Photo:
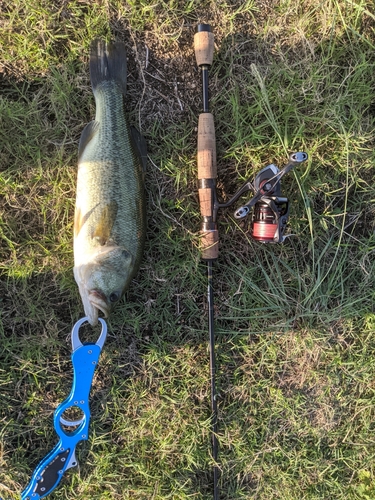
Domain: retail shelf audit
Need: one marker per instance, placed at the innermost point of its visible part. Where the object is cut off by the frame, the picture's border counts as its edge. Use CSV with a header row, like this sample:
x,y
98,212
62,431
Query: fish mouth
x,y
93,302
98,302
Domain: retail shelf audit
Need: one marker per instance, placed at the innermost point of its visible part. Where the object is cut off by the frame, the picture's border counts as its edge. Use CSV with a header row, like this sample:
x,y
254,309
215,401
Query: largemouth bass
x,y
110,218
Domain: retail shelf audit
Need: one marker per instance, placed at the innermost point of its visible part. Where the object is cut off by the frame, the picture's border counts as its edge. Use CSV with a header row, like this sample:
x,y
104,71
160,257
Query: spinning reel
x,y
271,209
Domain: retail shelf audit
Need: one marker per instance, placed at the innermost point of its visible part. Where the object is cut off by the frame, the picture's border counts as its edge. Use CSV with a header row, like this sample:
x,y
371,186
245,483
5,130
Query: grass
x,y
295,323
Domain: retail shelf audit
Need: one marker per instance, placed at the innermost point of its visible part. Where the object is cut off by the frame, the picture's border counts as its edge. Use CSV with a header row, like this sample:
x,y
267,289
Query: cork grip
x,y
209,244
204,47
207,171
206,147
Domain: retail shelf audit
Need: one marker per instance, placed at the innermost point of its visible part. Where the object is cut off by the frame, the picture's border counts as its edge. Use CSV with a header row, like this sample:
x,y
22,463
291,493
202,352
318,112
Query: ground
x,y
294,322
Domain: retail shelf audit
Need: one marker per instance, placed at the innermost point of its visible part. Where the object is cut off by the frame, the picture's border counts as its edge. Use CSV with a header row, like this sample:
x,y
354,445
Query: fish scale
x,y
105,176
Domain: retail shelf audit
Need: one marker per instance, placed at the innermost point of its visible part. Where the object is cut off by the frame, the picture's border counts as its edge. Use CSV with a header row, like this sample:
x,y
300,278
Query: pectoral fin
x,y
103,228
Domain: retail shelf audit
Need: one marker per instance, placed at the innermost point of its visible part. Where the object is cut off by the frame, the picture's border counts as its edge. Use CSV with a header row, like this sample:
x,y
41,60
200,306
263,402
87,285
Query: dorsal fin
x,y
140,145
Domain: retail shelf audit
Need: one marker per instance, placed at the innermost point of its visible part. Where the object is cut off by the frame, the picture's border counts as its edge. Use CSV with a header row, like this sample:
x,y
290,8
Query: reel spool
x,y
268,223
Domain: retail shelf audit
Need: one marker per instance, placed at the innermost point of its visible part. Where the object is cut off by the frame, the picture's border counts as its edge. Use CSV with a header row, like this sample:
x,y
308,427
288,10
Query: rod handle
x,y
206,159
204,45
207,173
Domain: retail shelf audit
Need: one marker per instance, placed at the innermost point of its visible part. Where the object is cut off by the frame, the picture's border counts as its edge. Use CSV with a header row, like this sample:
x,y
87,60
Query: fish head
x,y
103,280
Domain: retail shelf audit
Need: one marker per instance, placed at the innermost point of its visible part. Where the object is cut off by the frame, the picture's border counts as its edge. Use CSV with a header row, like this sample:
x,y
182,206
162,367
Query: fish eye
x,y
114,297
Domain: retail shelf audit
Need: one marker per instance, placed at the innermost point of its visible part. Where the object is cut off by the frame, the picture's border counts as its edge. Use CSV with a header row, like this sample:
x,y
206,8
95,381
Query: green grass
x,y
295,323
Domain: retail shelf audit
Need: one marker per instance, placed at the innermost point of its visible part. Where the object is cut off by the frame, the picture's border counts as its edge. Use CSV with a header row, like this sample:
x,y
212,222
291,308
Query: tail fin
x,y
108,63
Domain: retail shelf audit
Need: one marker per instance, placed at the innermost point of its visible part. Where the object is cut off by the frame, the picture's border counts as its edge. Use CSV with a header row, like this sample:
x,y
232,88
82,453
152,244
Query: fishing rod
x,y
269,216
207,173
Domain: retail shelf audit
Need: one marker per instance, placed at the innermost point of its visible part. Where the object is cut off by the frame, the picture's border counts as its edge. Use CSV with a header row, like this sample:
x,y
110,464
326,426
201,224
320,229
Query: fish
x,y
110,209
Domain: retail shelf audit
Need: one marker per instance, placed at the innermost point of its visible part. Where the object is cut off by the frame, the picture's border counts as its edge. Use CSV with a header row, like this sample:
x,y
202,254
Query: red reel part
x,y
265,224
